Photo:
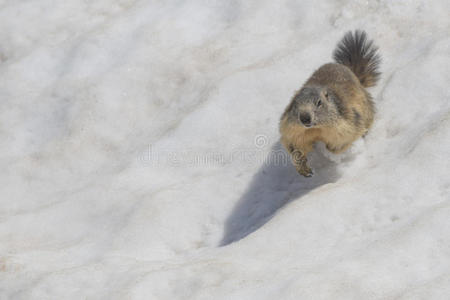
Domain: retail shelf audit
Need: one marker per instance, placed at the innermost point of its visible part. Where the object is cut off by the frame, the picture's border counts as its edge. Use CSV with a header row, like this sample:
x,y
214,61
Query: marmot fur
x,y
333,105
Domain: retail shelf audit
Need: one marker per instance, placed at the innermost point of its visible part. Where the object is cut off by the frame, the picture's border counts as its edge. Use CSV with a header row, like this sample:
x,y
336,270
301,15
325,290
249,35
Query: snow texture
x,y
140,153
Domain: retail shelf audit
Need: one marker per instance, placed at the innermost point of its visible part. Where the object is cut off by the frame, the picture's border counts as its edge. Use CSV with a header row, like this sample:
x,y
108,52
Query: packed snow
x,y
140,153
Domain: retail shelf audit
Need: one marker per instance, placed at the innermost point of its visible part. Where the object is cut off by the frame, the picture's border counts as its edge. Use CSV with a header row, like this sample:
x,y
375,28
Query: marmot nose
x,y
306,119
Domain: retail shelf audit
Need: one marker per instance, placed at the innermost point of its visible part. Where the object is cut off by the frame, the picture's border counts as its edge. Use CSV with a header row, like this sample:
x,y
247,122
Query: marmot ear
x,y
325,93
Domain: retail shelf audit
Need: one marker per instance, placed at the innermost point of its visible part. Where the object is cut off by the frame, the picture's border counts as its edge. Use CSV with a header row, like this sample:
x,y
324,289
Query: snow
x,y
140,155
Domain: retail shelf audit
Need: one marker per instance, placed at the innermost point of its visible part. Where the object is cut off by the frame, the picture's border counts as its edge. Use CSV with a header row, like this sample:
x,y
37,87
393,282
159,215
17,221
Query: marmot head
x,y
314,107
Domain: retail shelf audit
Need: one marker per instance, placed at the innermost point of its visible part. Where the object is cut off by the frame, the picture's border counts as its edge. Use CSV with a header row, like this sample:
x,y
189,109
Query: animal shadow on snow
x,y
274,185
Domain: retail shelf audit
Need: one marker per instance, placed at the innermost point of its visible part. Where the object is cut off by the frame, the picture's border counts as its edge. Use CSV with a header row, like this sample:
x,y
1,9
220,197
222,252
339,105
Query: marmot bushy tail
x,y
333,106
360,55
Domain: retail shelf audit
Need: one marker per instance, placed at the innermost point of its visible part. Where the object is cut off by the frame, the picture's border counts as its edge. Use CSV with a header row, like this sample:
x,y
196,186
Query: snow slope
x,y
140,155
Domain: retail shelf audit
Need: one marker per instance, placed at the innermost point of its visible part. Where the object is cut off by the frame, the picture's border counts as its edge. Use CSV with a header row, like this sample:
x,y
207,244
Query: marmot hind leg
x,y
338,149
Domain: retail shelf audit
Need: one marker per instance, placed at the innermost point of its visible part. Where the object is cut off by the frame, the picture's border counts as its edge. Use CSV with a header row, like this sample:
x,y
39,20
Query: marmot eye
x,y
319,103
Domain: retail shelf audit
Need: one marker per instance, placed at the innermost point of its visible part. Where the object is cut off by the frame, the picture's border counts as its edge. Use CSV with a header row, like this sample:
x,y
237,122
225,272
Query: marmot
x,y
333,105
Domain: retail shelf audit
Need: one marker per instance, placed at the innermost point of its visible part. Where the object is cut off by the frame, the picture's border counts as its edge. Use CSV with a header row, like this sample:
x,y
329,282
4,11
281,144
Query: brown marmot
x,y
333,105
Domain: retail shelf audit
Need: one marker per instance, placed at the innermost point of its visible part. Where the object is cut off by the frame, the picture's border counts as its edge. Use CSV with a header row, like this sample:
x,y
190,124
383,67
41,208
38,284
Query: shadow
x,y
274,185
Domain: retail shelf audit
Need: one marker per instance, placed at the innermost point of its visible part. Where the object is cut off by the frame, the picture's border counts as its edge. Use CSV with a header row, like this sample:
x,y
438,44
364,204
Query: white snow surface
x,y
137,141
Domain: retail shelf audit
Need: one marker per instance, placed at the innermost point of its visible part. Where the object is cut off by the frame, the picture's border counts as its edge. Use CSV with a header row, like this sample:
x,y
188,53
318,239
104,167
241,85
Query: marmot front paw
x,y
305,171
